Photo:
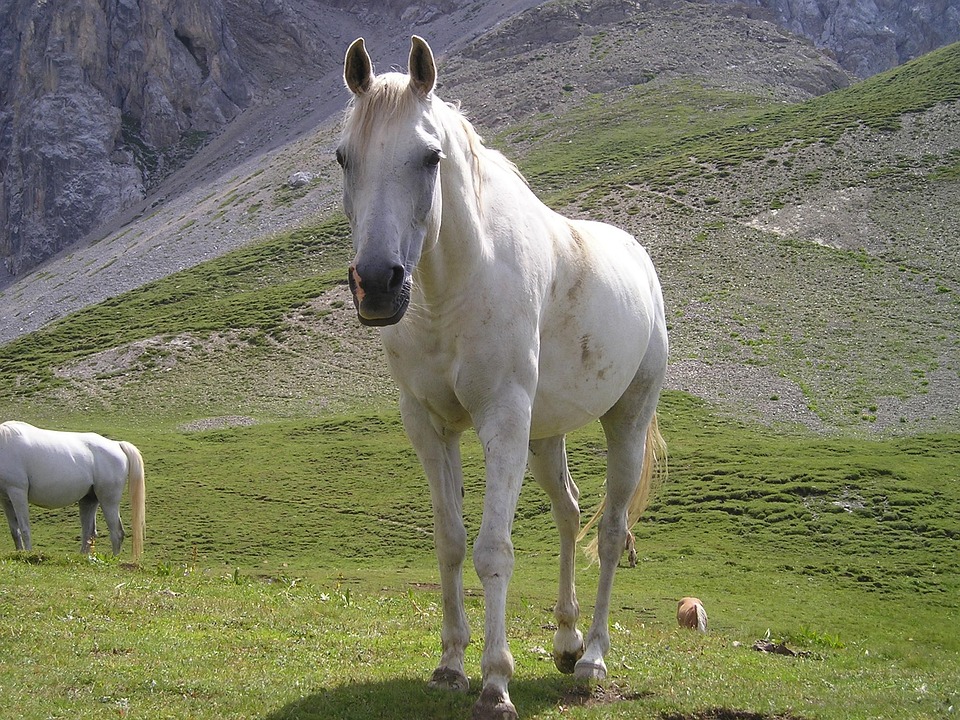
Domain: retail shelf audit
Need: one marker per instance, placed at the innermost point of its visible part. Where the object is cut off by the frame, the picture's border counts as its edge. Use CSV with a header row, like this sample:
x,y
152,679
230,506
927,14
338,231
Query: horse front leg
x,y
17,509
439,454
547,461
504,441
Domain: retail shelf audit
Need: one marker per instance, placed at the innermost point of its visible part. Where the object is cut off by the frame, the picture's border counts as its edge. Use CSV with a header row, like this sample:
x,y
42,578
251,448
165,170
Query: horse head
x,y
390,154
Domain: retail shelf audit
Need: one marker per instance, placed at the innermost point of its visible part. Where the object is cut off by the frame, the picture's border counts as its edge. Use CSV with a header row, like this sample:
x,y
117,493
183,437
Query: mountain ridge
x,y
141,105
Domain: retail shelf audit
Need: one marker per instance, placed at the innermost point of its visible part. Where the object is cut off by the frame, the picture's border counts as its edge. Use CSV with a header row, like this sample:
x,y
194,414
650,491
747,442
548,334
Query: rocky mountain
x,y
99,99
109,109
868,36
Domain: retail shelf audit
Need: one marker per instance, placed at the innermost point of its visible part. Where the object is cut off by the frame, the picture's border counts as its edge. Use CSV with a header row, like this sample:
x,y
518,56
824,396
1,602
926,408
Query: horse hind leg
x,y
625,427
547,460
88,521
111,513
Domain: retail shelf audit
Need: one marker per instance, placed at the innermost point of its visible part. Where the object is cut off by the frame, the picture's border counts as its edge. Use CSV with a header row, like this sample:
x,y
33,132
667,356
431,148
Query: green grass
x,y
305,587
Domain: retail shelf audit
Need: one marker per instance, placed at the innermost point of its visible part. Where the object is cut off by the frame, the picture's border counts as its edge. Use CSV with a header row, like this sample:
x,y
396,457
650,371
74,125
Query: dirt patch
x,y
147,354
585,696
751,391
767,646
217,423
729,714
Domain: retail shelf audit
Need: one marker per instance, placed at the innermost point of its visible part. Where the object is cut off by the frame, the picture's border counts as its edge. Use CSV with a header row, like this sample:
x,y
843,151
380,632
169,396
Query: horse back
x,y
58,467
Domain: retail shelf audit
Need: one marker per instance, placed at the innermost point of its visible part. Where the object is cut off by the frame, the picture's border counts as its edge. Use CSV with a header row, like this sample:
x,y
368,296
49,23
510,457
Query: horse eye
x,y
341,160
433,158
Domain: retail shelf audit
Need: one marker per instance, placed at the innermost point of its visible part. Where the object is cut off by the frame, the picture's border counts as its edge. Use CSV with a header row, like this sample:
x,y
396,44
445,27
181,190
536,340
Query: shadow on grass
x,y
411,699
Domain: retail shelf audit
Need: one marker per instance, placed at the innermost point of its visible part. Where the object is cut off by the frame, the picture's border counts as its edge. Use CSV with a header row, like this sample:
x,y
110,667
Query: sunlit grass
x,y
307,587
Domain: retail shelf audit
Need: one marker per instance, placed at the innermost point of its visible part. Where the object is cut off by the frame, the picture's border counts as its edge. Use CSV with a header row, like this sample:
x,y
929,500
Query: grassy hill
x,y
809,245
807,259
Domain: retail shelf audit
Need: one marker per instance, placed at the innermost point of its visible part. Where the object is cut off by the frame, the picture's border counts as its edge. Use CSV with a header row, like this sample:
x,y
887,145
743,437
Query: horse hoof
x,y
590,671
449,679
566,662
492,705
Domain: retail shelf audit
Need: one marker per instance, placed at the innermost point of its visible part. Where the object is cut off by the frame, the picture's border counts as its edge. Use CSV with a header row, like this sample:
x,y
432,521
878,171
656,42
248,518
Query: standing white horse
x,y
54,469
516,321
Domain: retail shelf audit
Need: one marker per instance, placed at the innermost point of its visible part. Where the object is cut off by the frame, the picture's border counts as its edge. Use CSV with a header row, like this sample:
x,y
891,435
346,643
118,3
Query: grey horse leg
x,y
88,521
111,513
17,510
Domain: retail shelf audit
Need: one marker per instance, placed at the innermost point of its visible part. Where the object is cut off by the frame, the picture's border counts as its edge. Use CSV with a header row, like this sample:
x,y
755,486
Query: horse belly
x,y
58,477
593,344
582,377
568,400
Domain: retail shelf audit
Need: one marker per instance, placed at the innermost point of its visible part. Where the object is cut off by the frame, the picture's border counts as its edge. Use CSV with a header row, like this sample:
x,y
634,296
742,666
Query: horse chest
x,y
456,373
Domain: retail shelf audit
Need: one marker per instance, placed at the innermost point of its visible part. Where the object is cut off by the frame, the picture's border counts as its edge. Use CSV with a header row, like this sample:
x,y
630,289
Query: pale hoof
x,y
492,705
566,662
586,670
448,679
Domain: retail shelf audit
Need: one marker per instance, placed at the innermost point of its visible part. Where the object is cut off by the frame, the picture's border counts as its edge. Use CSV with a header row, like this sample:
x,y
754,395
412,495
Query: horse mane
x,y
480,151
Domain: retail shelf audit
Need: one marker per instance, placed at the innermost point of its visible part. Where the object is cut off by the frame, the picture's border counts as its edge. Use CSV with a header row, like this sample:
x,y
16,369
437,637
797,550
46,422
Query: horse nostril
x,y
396,278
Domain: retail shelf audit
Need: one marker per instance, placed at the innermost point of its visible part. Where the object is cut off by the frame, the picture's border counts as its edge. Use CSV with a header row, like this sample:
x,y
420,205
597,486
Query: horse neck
x,y
472,182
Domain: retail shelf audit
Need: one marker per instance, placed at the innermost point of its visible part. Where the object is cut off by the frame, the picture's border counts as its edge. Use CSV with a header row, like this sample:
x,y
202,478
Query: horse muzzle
x,y
380,298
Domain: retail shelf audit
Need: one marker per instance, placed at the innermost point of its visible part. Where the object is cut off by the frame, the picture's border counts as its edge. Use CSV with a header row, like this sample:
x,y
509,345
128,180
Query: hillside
x,y
804,243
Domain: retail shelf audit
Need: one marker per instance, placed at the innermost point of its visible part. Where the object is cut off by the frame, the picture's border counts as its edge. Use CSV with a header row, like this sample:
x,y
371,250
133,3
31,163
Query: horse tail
x,y
138,496
654,469
701,618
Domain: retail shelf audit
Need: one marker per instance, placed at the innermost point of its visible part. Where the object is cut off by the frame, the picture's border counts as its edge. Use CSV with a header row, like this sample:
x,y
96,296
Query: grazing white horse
x,y
500,314
54,469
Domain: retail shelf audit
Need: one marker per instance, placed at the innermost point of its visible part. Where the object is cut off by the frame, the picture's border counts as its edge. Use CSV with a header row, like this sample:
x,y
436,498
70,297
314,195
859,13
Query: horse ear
x,y
357,68
423,68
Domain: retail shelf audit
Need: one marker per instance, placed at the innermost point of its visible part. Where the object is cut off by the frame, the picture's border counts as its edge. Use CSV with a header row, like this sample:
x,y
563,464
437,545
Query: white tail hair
x,y
138,494
651,474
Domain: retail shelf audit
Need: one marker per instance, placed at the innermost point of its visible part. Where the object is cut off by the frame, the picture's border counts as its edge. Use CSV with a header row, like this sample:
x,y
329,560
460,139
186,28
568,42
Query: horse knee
x,y
566,512
492,558
451,548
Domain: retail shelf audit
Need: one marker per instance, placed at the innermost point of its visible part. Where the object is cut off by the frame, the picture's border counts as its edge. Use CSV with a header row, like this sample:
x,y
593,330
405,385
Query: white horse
x,y
54,469
516,321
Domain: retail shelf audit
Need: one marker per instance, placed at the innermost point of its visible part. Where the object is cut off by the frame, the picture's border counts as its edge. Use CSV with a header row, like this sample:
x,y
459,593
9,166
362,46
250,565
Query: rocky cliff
x,y
99,99
867,36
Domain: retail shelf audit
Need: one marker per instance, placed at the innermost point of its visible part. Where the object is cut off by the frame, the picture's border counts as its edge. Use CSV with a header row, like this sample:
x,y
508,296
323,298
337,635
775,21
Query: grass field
x,y
306,588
